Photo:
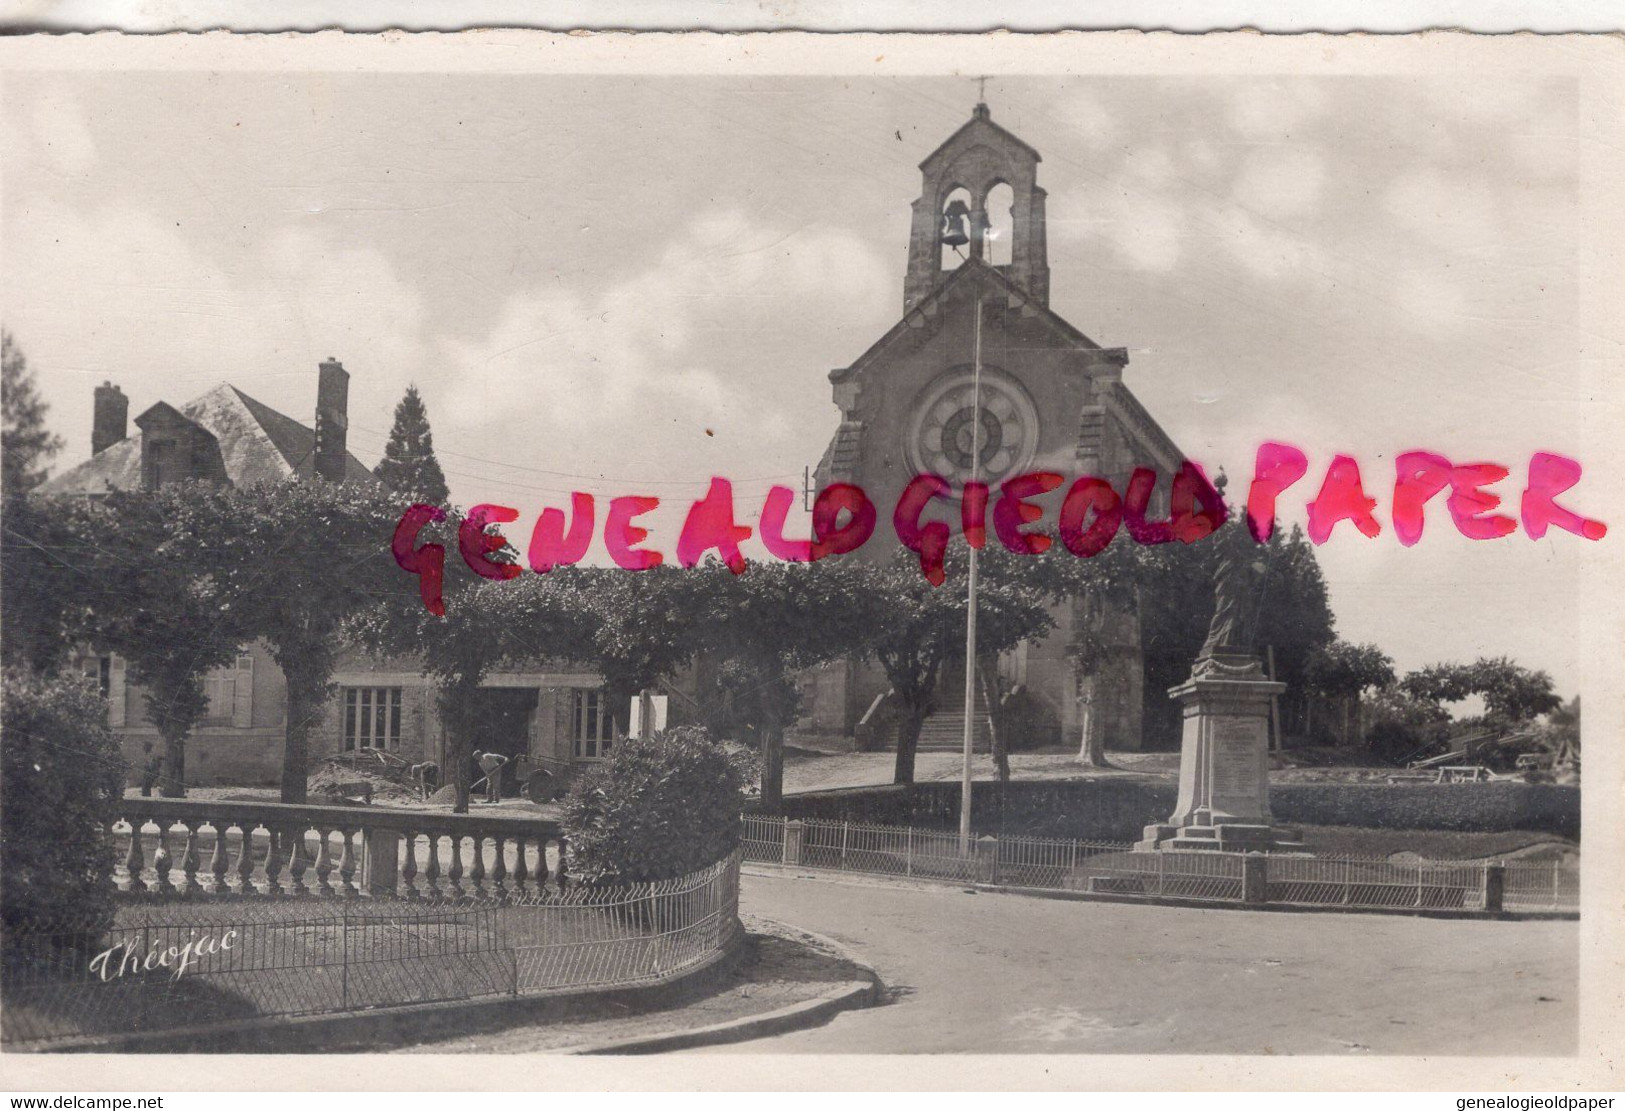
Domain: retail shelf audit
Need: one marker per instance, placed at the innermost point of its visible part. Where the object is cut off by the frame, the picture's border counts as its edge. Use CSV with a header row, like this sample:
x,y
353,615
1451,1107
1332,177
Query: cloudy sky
x,y
628,285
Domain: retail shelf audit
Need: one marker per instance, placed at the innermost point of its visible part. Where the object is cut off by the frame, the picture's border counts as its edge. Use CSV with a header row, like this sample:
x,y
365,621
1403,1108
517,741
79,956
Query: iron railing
x,y
1117,869
197,963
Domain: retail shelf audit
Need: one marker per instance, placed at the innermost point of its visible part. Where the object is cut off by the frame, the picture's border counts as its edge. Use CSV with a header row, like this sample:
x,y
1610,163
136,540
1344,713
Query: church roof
x,y
257,444
981,121
972,270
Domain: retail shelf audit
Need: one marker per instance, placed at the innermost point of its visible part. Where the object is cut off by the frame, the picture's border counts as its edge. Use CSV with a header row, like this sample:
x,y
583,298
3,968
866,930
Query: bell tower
x,y
981,163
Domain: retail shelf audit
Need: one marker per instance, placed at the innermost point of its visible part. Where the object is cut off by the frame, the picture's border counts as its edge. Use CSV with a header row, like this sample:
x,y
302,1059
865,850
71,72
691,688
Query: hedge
x,y
1118,810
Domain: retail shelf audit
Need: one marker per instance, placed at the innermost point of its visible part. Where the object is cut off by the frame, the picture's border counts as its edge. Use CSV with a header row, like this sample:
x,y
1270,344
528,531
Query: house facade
x,y
554,715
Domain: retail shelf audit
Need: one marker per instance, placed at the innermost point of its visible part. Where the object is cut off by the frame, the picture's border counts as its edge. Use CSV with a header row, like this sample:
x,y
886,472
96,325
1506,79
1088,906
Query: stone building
x,y
1052,399
556,715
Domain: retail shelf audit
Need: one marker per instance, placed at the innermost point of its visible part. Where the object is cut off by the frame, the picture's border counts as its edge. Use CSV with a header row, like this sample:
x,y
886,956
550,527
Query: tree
x,y
50,565
158,594
914,628
485,624
409,465
26,445
639,627
1512,693
1343,672
59,787
763,627
293,562
1297,619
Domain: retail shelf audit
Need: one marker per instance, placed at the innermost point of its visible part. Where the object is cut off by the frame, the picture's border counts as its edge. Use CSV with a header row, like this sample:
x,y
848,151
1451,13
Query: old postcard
x,y
996,561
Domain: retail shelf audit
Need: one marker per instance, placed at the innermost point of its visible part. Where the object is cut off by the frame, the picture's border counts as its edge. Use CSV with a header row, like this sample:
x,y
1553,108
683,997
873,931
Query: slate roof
x,y
257,444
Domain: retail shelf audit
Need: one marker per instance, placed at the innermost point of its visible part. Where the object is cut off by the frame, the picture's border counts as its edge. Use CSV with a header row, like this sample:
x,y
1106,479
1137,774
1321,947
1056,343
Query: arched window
x,y
1001,225
953,220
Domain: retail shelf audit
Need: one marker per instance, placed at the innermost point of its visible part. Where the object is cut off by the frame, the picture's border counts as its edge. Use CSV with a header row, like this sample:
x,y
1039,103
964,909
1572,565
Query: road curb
x,y
849,995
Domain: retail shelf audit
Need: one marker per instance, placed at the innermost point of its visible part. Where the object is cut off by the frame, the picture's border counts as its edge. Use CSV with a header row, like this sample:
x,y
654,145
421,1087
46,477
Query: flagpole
x,y
970,605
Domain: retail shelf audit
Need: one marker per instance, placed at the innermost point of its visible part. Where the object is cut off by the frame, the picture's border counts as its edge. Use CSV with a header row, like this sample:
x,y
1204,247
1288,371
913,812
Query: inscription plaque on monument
x,y
1235,758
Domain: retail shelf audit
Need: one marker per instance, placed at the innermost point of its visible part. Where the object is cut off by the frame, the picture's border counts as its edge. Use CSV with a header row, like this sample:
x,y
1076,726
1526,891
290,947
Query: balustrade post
x,y
560,874
273,861
520,872
190,860
499,867
245,860
217,859
161,862
135,861
409,866
297,862
476,874
454,874
431,870
347,864
324,863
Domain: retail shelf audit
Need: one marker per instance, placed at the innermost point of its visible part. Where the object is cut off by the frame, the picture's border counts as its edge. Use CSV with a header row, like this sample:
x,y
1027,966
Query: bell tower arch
x,y
979,160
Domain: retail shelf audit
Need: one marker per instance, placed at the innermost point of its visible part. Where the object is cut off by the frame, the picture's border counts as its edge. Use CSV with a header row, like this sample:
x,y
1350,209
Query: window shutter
x,y
242,700
115,692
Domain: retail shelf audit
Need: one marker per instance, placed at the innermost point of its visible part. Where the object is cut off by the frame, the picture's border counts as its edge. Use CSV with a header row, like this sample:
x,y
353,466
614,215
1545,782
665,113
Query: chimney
x,y
332,420
112,417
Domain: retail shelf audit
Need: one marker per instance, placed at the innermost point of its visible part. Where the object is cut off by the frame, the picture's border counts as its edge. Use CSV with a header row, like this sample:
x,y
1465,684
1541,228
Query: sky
x,y
628,285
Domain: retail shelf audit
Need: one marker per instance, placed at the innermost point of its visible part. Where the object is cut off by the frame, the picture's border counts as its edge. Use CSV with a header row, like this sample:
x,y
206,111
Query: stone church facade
x,y
1052,399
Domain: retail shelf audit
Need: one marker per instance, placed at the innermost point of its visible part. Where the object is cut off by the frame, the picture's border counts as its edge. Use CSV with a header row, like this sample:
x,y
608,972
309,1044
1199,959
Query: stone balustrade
x,y
184,847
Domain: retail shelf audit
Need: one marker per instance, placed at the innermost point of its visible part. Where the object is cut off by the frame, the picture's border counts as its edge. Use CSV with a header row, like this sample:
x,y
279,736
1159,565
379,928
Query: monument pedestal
x,y
1224,763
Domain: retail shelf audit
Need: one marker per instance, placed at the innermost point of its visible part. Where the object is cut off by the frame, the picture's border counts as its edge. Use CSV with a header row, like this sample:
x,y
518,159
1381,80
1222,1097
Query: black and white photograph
x,y
1054,550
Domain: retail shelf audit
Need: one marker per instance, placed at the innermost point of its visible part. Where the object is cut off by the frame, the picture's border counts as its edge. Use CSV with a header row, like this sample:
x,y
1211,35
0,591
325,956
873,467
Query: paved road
x,y
1005,973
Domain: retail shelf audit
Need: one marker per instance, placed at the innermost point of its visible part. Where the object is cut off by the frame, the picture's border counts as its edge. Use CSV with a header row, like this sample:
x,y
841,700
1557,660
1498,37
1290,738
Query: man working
x,y
491,763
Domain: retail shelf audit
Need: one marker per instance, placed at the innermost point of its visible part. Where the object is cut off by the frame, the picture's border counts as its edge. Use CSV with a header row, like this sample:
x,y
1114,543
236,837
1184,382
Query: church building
x,y
1051,399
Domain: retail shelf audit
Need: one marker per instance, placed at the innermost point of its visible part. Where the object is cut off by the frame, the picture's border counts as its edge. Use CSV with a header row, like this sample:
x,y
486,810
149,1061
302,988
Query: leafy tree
x,y
764,626
1297,619
639,628
50,563
157,595
409,465
59,785
660,808
486,623
26,445
302,559
1342,672
914,628
1399,725
1511,693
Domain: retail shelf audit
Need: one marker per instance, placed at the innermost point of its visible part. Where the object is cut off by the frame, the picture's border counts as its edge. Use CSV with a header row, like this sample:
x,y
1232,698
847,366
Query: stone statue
x,y
1238,589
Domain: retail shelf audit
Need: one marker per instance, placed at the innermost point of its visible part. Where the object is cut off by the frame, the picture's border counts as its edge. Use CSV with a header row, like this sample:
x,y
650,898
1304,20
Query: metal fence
x,y
1113,868
196,964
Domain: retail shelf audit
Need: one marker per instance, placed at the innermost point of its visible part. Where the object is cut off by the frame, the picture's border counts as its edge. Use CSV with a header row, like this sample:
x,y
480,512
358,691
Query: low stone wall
x,y
1117,810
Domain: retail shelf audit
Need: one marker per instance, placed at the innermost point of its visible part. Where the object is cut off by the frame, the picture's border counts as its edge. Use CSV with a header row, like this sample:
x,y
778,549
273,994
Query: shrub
x,y
659,809
62,778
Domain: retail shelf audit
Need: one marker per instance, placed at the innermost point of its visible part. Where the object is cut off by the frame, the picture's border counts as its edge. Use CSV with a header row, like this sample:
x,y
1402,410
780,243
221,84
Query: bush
x,y
62,778
659,809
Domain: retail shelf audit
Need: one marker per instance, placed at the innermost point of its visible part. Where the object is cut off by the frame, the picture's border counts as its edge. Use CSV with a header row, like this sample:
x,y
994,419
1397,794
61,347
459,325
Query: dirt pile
x,y
331,780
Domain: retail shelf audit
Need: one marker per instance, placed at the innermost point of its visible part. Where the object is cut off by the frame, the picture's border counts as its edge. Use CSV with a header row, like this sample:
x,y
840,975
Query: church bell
x,y
955,224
